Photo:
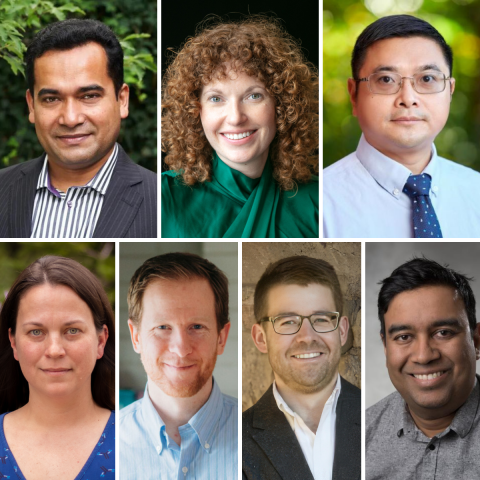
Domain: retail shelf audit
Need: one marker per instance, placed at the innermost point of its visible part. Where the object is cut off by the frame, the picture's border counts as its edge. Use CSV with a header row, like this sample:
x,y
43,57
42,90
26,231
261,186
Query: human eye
x,y
73,331
198,326
256,96
49,100
403,338
287,320
162,327
384,79
444,333
90,96
35,333
429,78
215,99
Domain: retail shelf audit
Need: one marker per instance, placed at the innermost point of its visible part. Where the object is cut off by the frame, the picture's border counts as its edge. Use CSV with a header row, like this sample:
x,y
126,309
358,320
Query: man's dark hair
x,y
421,272
396,26
298,270
73,33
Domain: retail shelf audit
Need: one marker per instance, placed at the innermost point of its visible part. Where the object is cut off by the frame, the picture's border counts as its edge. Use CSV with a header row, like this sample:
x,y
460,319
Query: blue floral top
x,y
100,464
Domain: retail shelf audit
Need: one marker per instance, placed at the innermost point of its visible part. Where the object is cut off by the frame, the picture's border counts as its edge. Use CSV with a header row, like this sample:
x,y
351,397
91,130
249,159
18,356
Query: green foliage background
x,y
98,257
133,21
459,23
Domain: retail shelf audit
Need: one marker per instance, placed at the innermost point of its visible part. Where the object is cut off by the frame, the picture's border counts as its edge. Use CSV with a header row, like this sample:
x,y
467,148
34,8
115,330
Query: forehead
x,y
189,297
77,67
299,299
236,80
425,305
405,54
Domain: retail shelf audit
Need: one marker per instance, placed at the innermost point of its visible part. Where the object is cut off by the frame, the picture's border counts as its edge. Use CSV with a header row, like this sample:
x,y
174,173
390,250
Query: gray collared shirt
x,y
397,450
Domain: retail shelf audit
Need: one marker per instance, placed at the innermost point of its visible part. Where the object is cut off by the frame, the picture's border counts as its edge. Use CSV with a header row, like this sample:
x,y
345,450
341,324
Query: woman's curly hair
x,y
260,47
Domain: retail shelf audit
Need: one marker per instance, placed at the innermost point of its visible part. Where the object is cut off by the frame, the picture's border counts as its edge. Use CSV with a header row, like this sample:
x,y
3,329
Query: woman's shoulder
x,y
302,191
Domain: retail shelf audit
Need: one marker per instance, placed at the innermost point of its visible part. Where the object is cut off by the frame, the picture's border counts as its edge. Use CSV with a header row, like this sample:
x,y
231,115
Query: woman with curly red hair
x,y
240,129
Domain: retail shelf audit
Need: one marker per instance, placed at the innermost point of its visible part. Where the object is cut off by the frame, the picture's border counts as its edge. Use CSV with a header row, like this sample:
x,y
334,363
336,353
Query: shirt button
x,y
158,448
70,204
184,469
207,445
396,192
431,447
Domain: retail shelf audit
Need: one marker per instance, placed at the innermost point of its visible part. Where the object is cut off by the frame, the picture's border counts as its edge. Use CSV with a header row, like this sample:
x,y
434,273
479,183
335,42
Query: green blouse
x,y
233,205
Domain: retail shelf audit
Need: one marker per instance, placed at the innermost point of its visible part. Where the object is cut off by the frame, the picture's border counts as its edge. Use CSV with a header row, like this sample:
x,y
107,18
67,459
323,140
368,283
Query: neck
x,y
308,405
62,412
252,169
177,411
63,177
432,427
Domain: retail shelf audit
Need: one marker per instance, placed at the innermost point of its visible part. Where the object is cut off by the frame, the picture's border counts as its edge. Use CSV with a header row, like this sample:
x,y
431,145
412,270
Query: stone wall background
x,y
256,256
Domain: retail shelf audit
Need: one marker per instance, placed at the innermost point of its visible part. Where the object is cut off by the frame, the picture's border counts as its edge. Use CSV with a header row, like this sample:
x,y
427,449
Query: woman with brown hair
x,y
240,129
57,375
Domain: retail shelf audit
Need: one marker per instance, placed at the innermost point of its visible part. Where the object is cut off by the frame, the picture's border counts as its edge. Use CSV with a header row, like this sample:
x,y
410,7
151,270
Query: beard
x,y
182,384
308,378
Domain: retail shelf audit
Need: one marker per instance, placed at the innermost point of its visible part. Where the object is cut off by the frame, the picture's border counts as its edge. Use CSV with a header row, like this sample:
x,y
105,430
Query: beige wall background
x,y
225,256
346,259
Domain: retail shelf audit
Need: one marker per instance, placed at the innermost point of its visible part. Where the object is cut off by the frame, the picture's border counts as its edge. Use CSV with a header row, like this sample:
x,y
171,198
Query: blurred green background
x,y
133,21
459,23
98,257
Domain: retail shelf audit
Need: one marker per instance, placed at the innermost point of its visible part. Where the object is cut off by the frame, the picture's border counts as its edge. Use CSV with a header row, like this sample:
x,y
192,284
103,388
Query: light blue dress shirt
x,y
208,450
363,197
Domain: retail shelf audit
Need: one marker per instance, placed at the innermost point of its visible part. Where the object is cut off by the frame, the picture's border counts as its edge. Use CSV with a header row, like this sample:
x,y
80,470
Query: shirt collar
x,y
99,182
283,406
462,422
389,174
204,422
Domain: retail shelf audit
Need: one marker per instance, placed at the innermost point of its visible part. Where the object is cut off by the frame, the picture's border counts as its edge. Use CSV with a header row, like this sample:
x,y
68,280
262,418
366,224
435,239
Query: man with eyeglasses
x,y
395,184
307,425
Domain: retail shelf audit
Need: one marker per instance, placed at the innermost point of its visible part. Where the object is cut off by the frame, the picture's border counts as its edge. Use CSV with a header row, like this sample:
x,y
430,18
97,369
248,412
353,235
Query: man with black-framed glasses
x,y
307,425
396,185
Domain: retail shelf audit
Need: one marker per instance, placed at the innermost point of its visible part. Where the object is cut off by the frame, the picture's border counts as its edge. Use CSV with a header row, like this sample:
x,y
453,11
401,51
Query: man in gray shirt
x,y
430,427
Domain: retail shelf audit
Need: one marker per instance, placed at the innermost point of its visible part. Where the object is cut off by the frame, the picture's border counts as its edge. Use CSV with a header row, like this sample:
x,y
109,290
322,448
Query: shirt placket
x,y
186,464
430,455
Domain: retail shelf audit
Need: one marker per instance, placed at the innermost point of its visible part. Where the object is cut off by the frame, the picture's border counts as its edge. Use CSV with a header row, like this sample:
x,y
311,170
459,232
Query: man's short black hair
x,y
72,33
422,272
396,26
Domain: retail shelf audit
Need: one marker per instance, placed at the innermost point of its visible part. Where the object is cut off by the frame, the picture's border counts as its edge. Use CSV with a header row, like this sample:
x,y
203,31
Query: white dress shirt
x,y
363,197
318,448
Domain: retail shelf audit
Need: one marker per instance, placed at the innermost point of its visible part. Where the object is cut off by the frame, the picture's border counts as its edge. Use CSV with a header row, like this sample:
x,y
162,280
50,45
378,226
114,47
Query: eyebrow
x,y
449,322
66,324
88,88
392,68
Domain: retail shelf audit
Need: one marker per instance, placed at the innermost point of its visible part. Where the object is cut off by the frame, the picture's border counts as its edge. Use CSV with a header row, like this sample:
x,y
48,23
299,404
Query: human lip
x,y
73,139
55,371
239,138
307,355
179,367
429,376
407,119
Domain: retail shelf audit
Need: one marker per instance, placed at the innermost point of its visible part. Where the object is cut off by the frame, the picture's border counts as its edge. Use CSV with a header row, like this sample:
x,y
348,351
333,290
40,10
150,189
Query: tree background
x,y
98,257
131,20
459,23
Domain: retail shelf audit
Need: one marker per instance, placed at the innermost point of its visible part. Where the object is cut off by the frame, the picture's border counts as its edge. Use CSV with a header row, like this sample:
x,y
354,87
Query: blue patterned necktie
x,y
425,221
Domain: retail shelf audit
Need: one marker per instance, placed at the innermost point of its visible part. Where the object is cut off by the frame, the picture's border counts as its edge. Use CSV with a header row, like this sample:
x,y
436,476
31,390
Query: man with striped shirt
x,y
85,185
183,427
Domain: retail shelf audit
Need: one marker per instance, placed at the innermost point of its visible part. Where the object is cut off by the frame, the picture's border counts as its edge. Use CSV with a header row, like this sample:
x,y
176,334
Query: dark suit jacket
x,y
129,209
271,450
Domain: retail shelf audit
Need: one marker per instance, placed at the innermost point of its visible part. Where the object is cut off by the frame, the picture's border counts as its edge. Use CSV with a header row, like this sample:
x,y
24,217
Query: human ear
x,y
222,338
102,341
11,337
343,327
31,110
259,338
135,335
352,91
476,341
123,98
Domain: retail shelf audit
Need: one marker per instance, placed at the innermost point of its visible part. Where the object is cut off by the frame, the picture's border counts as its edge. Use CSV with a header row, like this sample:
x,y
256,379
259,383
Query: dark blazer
x,y
271,450
129,209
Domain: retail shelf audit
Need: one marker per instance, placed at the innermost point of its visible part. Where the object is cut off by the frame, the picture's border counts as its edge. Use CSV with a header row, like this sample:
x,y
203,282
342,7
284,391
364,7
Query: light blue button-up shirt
x,y
208,450
363,197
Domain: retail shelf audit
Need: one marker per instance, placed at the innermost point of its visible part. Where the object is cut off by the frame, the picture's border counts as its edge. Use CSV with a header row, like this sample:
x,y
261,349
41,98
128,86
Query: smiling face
x,y
238,117
407,122
74,108
307,361
56,342
430,350
177,336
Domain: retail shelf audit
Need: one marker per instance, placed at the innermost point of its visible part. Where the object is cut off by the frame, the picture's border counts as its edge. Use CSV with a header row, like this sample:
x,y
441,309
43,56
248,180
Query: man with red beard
x,y
183,427
307,425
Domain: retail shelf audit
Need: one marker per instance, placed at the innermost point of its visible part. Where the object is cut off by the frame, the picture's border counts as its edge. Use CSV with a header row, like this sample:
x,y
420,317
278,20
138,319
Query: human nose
x,y
55,347
306,332
425,351
71,114
236,113
180,344
407,96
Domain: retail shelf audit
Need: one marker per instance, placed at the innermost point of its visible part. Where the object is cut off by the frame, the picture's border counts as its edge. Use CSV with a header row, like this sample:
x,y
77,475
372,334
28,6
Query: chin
x,y
181,389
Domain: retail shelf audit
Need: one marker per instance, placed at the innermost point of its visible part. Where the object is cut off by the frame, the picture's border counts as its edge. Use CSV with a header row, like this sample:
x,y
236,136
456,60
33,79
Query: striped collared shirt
x,y
208,449
73,214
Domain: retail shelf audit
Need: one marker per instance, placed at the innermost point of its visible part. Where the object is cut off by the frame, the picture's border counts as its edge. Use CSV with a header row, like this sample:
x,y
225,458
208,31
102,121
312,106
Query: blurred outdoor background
x,y
98,257
459,23
135,24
